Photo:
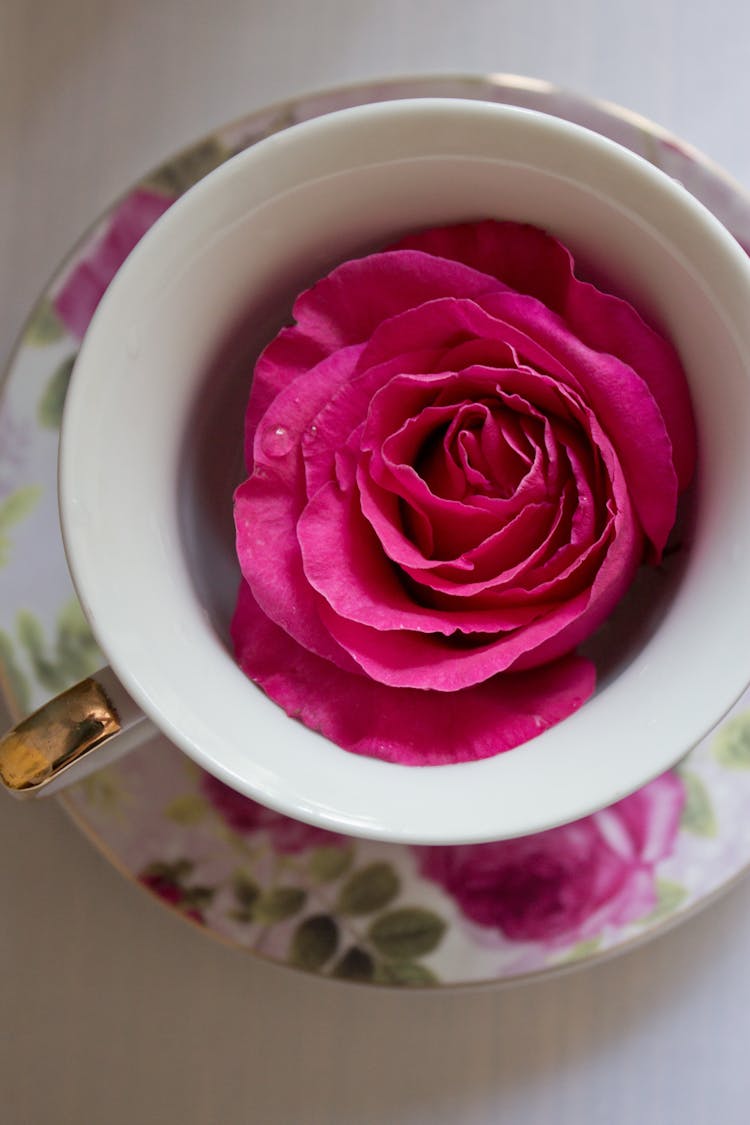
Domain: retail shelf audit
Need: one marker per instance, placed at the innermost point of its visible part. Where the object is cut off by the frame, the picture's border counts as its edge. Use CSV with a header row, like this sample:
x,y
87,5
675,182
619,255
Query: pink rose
x,y
459,455
245,815
84,287
565,885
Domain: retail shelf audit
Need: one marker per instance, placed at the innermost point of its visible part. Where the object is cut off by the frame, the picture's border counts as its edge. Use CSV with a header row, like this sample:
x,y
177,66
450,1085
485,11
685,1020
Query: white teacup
x,y
152,448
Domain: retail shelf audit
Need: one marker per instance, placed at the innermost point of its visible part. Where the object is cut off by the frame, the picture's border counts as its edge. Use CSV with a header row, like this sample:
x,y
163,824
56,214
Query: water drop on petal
x,y
277,441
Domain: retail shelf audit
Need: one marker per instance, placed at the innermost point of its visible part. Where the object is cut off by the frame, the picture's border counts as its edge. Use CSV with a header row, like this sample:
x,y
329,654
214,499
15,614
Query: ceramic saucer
x,y
352,909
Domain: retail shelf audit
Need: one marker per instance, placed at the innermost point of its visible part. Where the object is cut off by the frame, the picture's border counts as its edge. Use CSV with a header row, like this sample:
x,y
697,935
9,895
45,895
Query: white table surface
x,y
112,1011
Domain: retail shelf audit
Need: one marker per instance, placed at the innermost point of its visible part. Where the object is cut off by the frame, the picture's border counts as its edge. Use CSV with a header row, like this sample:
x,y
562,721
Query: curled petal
x,y
348,305
521,257
618,396
405,658
270,561
415,728
344,563
268,504
528,260
620,400
333,425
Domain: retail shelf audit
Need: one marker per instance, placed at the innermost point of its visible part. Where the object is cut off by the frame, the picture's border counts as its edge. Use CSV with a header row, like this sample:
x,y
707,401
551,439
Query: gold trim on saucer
x,y
69,726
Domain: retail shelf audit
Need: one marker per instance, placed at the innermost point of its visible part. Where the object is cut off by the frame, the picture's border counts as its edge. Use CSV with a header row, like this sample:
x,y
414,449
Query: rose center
x,y
485,449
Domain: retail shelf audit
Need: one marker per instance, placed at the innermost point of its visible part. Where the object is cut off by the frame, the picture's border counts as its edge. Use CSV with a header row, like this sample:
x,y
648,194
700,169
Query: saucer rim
x,y
421,83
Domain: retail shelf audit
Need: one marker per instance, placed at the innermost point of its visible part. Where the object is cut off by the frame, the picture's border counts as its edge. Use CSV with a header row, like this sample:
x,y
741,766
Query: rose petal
x,y
332,426
631,416
617,393
344,562
455,526
620,400
268,504
407,659
397,725
277,436
403,658
444,324
531,261
468,525
524,531
270,561
608,324
521,257
540,579
407,278
289,355
354,299
346,307
609,584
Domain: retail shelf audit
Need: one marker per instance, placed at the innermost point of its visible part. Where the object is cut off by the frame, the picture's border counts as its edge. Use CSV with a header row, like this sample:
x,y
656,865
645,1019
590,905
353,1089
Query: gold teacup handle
x,y
71,736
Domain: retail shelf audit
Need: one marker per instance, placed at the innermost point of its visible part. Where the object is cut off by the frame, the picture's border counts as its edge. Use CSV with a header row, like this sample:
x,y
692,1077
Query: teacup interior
x,y
152,548
371,217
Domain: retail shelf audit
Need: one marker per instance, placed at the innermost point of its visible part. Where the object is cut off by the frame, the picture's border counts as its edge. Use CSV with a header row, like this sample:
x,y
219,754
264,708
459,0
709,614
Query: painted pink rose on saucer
x,y
567,884
458,455
76,301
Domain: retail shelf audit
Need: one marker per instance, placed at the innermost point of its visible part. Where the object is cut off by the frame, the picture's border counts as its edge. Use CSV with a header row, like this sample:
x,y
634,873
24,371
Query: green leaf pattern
x,y
731,746
669,898
698,814
279,903
369,889
104,790
13,509
44,326
246,892
338,917
407,933
50,407
71,656
191,808
327,863
180,173
356,965
582,950
314,942
401,973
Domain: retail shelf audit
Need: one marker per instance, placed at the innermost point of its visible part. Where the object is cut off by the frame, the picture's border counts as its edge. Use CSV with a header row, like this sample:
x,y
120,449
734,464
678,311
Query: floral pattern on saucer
x,y
347,908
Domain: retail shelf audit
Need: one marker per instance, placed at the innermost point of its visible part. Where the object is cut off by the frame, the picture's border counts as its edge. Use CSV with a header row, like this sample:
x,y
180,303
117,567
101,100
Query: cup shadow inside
x,y
212,465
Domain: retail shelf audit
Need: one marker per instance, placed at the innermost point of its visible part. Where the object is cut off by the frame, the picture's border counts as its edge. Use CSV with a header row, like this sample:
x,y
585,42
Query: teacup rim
x,y
333,819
